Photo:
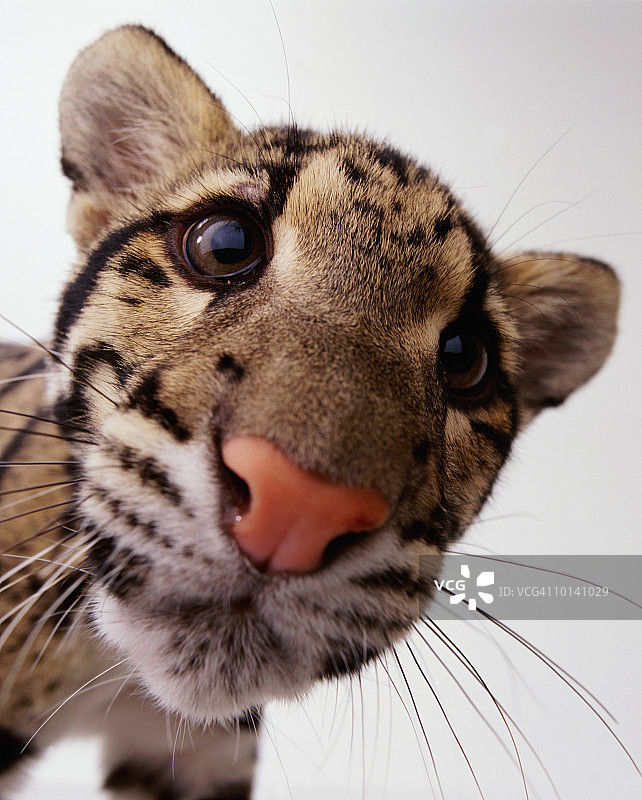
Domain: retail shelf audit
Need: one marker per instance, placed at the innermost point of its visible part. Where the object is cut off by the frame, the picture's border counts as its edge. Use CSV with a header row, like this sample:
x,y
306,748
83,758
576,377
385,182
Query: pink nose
x,y
293,514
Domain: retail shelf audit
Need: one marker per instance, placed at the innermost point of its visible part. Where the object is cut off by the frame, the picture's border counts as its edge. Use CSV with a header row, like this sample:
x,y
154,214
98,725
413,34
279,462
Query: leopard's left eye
x,y
463,356
224,245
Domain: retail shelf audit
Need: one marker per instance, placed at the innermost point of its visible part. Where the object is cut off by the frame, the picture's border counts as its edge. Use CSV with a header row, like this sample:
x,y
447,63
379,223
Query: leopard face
x,y
258,320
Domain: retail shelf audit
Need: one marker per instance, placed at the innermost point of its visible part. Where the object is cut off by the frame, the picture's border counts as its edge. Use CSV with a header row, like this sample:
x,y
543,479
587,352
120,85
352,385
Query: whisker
x,y
363,739
445,716
67,612
5,584
44,433
35,632
17,613
71,697
591,236
266,147
526,176
285,61
419,720
566,678
59,360
18,378
37,510
45,419
123,682
545,222
392,683
25,561
39,559
51,525
35,463
568,205
458,653
52,485
30,498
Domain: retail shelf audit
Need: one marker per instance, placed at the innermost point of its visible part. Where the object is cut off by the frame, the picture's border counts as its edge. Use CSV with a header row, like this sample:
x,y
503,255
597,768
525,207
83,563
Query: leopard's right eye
x,y
224,245
463,355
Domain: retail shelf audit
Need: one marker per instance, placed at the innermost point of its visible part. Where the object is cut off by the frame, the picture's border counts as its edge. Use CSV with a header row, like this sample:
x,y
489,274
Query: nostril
x,y
337,547
236,495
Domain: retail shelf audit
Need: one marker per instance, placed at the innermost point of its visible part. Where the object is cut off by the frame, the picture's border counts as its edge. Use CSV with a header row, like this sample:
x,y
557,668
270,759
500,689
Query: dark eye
x,y
463,355
224,245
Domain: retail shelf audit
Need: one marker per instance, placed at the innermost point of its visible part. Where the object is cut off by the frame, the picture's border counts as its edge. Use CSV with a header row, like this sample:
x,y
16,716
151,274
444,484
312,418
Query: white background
x,y
479,91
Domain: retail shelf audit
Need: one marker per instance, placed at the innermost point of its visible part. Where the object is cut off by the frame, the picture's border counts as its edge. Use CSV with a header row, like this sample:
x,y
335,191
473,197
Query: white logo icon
x,y
483,579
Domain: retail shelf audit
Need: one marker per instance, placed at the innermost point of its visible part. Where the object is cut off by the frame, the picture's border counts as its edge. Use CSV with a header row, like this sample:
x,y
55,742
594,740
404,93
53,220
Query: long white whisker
x,y
71,697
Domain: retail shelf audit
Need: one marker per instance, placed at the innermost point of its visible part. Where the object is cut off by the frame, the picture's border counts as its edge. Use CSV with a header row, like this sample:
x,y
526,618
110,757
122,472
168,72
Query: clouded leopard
x,y
285,368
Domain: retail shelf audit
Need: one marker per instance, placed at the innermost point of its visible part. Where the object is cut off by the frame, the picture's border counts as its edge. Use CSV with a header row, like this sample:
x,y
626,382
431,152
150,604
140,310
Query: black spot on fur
x,y
71,409
130,575
136,775
230,366
353,172
238,790
132,520
477,240
145,399
398,580
154,274
394,161
101,353
442,228
12,749
282,173
416,531
445,524
474,299
74,407
421,451
346,658
146,268
502,441
150,473
100,555
250,720
120,570
72,172
79,289
68,592
416,237
134,302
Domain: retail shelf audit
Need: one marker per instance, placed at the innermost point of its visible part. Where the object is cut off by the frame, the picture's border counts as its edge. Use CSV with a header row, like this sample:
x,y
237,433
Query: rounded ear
x,y
565,310
131,112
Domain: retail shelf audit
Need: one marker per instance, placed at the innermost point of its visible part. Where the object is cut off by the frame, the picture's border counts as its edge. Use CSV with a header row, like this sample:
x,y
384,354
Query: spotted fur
x,y
329,350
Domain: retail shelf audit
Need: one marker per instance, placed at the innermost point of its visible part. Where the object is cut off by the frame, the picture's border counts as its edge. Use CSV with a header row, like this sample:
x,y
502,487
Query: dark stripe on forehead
x,y
394,161
78,290
474,298
282,170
